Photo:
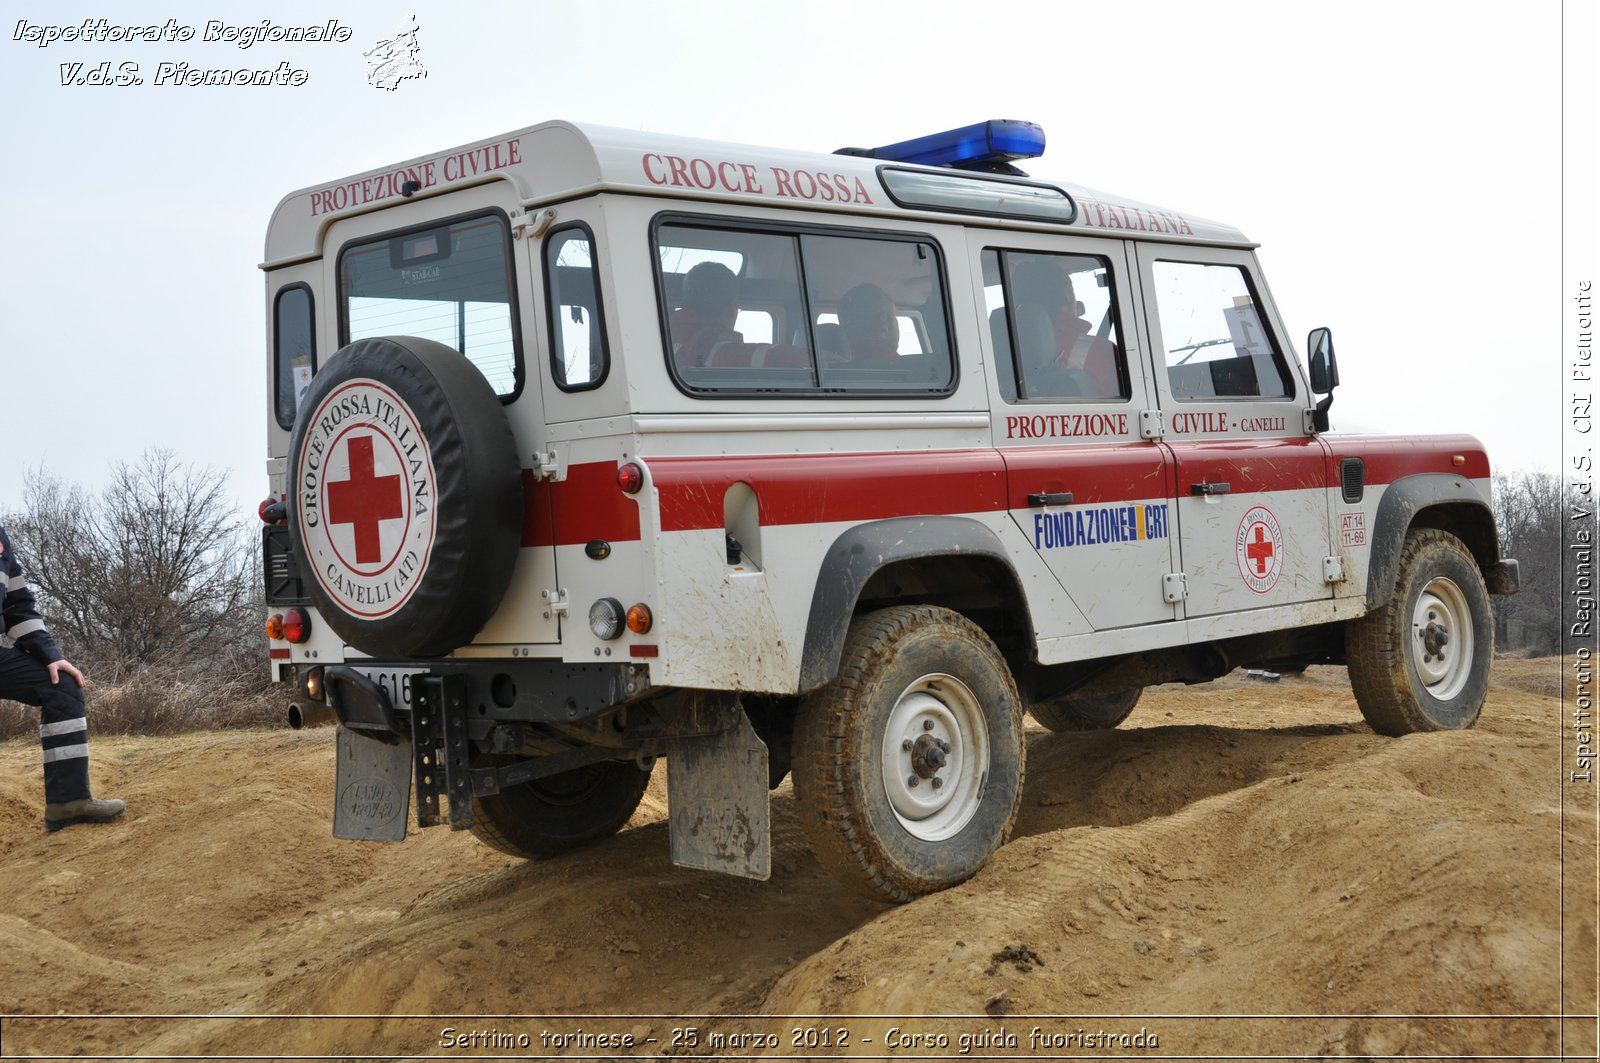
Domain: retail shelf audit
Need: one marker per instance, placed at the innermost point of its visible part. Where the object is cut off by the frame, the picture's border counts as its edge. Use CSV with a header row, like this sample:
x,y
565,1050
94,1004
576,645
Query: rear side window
x,y
578,356
765,312
294,350
1053,322
1216,342
450,282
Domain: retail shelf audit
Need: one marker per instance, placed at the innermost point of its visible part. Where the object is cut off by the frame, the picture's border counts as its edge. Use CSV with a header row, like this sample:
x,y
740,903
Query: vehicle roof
x,y
561,160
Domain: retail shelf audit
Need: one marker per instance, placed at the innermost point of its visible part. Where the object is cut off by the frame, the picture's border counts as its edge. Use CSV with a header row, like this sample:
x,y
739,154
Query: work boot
x,y
83,810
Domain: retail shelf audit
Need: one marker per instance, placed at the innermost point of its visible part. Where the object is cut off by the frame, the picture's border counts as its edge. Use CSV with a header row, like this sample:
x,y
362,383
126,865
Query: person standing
x,y
33,672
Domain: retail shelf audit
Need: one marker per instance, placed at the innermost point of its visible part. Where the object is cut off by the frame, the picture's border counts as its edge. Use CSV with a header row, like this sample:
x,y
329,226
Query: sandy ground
x,y
1243,869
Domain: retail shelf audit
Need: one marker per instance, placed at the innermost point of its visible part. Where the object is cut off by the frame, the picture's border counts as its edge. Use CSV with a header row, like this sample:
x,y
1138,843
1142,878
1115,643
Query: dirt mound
x,y
1243,868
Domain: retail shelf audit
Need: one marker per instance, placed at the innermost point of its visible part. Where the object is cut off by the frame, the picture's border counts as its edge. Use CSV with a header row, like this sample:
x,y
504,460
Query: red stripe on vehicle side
x,y
824,488
586,505
828,488
1253,466
1388,458
1094,473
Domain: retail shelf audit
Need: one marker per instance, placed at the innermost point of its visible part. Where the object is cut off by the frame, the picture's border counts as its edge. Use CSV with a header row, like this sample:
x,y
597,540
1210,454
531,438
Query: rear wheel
x,y
1421,661
908,766
548,816
1099,713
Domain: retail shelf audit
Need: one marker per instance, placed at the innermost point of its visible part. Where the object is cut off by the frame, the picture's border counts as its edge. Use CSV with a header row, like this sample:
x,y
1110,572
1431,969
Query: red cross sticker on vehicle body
x,y
365,499
1260,549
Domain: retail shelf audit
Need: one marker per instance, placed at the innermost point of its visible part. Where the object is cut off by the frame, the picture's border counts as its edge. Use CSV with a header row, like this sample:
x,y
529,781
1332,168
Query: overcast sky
x,y
1398,162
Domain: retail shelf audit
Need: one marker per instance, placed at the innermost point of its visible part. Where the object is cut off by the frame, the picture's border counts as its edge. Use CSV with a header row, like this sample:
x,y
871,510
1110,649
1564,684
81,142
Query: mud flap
x,y
372,788
719,811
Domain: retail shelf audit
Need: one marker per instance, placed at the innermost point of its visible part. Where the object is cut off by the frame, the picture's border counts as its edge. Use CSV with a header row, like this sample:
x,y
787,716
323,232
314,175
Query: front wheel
x,y
547,816
908,765
1421,661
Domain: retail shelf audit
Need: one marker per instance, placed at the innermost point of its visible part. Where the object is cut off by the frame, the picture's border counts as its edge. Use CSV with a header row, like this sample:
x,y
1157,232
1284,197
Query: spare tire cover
x,y
406,511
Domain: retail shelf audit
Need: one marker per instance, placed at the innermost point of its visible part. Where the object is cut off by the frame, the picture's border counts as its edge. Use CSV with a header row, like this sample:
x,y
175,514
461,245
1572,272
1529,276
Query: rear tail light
x,y
630,478
605,618
296,625
273,511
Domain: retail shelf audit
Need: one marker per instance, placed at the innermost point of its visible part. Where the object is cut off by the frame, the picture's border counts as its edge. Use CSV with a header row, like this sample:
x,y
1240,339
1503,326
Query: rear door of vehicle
x,y
451,269
1088,491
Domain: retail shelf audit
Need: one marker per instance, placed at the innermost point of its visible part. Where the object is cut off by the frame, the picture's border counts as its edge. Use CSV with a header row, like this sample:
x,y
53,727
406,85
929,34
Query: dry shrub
x,y
157,701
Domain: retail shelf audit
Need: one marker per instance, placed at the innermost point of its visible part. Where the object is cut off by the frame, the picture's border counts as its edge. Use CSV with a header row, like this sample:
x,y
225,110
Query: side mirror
x,y
1324,367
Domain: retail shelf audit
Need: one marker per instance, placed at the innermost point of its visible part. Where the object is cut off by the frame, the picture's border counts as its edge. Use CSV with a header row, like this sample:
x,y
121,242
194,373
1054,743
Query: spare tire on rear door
x,y
406,504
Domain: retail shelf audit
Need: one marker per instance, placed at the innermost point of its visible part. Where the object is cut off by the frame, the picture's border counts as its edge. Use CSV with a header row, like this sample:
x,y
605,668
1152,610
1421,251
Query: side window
x,y
294,350
451,283
779,313
578,355
725,312
1053,322
1216,343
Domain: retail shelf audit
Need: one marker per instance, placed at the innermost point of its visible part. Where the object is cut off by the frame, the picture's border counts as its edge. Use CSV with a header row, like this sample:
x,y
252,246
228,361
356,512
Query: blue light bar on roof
x,y
997,140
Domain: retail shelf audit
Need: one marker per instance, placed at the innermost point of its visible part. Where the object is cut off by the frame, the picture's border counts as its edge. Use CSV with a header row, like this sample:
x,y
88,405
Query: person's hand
x,y
57,667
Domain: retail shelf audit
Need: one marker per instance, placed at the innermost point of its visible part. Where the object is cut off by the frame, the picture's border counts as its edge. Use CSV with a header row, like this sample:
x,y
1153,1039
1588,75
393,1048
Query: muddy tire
x,y
544,817
922,693
1421,661
1099,713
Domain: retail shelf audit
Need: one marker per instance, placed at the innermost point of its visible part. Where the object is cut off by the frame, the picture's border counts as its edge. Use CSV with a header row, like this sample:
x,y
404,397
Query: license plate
x,y
395,683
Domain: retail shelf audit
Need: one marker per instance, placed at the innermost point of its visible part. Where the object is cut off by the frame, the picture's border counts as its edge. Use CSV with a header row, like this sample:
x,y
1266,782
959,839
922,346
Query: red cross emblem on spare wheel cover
x,y
1260,549
366,498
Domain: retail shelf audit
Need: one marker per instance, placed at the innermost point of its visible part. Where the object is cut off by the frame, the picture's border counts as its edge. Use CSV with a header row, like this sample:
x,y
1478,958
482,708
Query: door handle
x,y
1209,489
1050,498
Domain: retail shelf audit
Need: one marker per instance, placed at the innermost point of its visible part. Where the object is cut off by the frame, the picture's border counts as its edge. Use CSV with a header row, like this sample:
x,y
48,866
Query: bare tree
x,y
1531,510
156,569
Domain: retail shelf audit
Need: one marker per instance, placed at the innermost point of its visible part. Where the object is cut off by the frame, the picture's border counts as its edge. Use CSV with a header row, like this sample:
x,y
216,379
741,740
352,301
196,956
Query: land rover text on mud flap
x,y
590,447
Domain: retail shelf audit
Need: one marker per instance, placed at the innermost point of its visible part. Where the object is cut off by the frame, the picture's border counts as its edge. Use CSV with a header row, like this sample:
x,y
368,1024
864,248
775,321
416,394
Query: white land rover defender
x,y
590,447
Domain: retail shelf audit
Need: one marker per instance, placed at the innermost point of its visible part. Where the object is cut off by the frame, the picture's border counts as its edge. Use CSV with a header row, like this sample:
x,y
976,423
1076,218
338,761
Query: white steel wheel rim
x,y
937,708
1442,609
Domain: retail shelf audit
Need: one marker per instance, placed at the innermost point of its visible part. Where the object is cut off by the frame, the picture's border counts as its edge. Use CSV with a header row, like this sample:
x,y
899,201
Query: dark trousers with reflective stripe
x,y
63,732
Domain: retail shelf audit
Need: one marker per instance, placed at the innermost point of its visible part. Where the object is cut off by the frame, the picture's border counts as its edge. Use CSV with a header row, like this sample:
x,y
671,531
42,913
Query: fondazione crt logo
x,y
392,60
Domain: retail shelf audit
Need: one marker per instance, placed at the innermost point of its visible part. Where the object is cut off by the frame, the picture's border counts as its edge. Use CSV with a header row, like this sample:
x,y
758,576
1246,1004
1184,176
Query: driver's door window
x,y
1216,343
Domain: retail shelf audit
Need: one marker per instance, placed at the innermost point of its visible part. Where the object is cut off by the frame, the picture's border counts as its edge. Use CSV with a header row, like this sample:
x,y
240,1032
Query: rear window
x,y
449,282
764,312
